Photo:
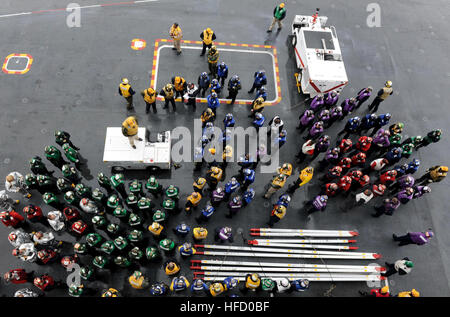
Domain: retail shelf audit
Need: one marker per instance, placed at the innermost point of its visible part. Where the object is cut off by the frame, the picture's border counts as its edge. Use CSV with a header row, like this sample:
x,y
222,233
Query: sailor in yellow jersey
x,y
216,289
127,92
171,267
156,229
176,34
382,95
252,283
193,201
130,129
208,36
111,292
138,281
149,96
199,233
412,293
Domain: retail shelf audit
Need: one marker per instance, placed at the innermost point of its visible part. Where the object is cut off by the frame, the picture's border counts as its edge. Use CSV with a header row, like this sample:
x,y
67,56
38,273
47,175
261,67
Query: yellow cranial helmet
x,y
388,84
255,277
125,81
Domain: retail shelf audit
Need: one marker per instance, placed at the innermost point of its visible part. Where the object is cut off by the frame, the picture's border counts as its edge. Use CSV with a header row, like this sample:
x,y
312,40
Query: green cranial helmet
x,y
58,133
66,146
268,284
112,228
48,149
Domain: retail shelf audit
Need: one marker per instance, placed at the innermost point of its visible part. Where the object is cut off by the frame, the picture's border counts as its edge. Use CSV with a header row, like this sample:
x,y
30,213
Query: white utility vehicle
x,y
119,155
318,56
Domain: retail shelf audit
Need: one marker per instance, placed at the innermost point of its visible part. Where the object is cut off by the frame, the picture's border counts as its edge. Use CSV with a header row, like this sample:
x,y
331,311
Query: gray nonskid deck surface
x,y
72,85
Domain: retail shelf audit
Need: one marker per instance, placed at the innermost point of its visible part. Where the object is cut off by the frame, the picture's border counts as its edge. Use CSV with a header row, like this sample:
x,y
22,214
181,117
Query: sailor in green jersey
x,y
32,183
145,205
122,261
136,237
136,254
47,183
99,221
121,243
172,192
135,187
76,290
87,273
170,206
94,240
72,199
62,137
71,173
83,191
54,156
81,248
52,200
99,197
431,137
159,216
71,154
407,149
112,203
135,220
415,140
113,230
120,213
167,245
64,185
100,261
108,247
117,182
395,139
132,202
267,285
38,167
105,182
153,186
152,254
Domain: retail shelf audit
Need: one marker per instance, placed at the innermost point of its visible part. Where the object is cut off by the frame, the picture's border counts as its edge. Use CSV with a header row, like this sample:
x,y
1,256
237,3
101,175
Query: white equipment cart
x,y
120,156
318,56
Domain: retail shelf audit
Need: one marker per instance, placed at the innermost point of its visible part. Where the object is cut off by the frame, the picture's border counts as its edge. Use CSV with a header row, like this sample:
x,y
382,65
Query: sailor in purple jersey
x,y
405,195
335,114
348,105
363,95
317,103
331,158
331,99
315,131
418,238
419,191
306,119
317,204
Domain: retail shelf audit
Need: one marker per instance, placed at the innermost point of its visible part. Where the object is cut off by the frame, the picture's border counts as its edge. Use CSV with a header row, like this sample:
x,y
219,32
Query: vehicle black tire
x,y
154,169
117,169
